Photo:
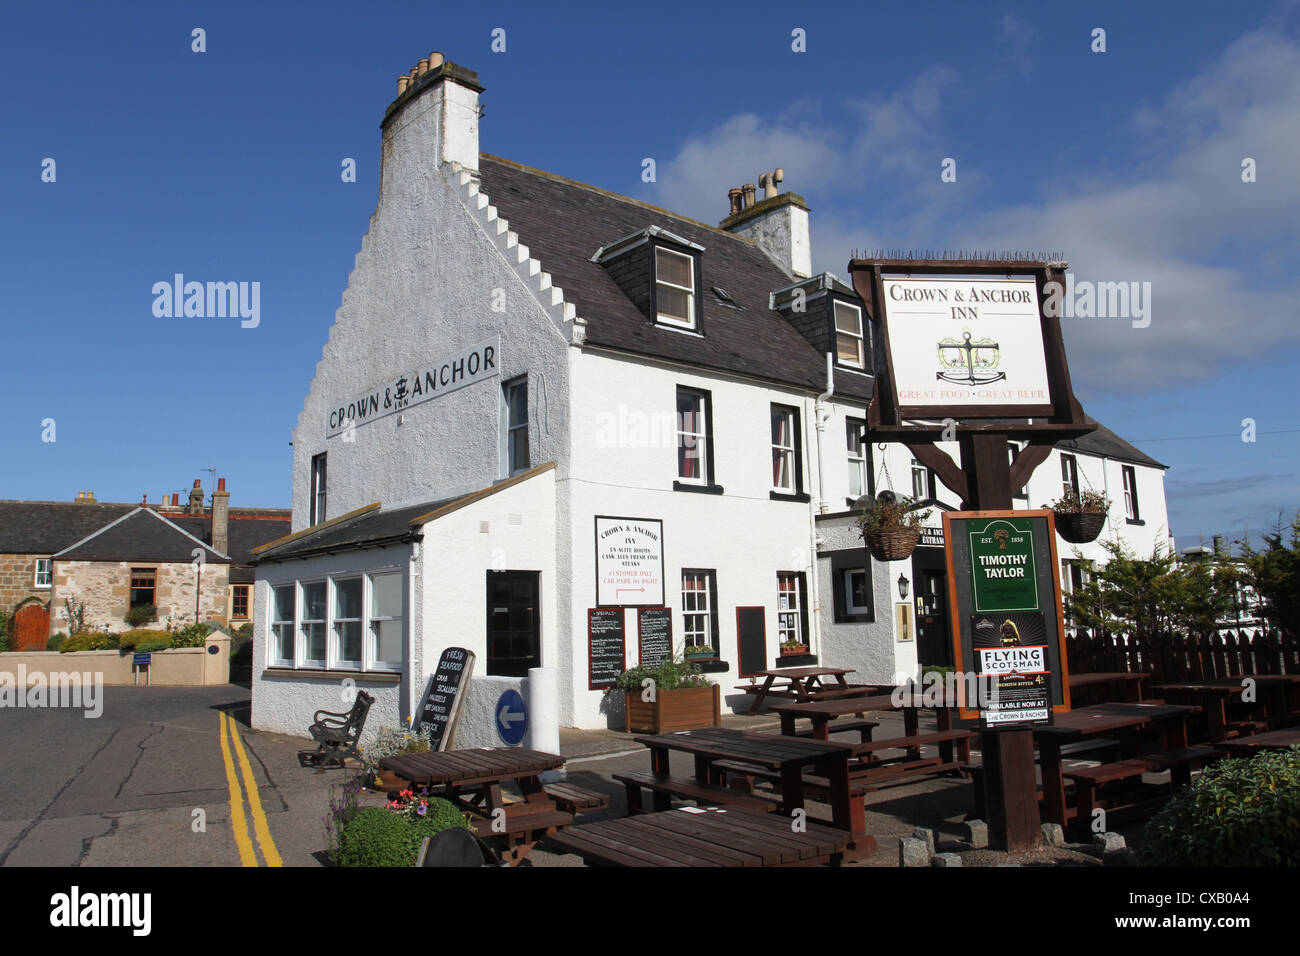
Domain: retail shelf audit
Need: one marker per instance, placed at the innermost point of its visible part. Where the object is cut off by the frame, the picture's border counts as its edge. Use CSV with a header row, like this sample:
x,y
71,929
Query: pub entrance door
x,y
930,579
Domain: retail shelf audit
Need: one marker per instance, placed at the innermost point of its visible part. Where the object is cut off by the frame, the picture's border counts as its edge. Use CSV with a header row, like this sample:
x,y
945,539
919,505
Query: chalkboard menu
x,y
606,646
654,629
751,633
436,715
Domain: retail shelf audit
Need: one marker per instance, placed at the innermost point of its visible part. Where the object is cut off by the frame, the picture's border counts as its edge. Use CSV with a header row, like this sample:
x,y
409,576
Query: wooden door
x,y
30,628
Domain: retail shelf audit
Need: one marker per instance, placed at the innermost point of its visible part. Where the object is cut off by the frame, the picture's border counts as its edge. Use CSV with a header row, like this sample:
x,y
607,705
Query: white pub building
x,y
540,400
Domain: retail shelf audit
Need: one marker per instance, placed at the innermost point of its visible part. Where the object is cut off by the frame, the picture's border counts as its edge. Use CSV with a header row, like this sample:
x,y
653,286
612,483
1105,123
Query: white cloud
x,y
1220,254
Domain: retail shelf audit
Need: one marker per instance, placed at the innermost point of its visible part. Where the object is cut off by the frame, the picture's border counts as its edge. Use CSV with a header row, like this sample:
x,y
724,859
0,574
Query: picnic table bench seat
x,y
911,742
863,727
522,830
686,788
574,799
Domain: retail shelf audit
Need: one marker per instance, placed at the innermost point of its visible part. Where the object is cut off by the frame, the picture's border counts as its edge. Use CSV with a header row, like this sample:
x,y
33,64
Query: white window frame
x,y
1128,477
699,435
370,638
1069,474
793,612
1013,452
861,363
849,606
335,638
689,290
319,488
784,464
854,427
305,643
703,610
924,472
273,642
512,467
49,573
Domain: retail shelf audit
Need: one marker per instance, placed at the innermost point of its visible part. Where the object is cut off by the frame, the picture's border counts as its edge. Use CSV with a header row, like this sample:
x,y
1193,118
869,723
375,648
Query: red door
x,y
30,628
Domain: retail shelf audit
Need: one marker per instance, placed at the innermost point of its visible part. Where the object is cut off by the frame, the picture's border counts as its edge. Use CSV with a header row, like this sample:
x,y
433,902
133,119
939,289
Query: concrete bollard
x,y
543,702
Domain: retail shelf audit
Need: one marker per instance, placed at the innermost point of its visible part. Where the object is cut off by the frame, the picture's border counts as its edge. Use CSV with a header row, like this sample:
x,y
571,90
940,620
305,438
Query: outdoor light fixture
x,y
902,586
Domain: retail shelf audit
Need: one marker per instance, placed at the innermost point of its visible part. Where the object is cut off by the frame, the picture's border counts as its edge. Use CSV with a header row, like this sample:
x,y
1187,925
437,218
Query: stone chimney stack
x,y
444,126
196,498
221,517
778,223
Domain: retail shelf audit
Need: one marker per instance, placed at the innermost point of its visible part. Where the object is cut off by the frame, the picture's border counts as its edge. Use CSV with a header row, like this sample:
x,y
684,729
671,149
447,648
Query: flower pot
x,y
892,544
686,708
705,655
1079,527
798,652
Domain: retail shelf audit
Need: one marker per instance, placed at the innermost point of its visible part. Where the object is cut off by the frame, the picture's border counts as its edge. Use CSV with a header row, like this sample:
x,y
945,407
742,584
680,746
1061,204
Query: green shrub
x,y
1237,813
141,614
135,640
670,675
56,641
244,632
377,837
90,641
196,635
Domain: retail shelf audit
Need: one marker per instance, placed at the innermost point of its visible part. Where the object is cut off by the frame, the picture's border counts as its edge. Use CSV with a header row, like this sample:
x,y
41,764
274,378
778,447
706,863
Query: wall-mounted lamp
x,y
902,586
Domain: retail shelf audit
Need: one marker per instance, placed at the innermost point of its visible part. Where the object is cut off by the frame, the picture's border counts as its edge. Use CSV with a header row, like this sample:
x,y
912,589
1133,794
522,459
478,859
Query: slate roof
x,y
1106,443
564,222
372,529
140,535
244,532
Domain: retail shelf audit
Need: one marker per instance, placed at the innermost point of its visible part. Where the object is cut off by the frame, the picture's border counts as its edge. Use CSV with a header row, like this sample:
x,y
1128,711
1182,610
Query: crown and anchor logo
x,y
969,362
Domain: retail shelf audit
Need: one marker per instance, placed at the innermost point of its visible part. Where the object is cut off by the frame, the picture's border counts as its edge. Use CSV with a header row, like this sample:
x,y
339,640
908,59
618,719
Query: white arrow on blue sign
x,y
512,719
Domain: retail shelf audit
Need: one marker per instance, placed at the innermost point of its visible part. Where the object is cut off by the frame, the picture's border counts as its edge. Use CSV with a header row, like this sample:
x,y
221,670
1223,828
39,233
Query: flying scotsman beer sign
x,y
1007,629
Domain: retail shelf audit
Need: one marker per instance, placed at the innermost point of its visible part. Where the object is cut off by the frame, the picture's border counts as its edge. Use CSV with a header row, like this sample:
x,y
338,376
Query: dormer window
x,y
674,288
848,335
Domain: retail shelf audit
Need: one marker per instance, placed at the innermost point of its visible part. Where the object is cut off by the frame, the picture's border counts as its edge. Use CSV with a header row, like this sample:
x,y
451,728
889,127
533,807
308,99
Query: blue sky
x,y
224,165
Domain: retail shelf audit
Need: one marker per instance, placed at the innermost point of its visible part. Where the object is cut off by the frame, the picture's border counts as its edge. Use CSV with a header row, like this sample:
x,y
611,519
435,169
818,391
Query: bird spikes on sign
x,y
962,254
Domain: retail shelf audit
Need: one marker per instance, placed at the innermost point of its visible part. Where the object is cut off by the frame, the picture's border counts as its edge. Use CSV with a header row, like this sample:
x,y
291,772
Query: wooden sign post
x,y
968,350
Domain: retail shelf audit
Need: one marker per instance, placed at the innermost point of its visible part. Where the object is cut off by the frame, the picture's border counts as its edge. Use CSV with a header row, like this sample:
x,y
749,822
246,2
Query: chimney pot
x,y
736,197
423,65
435,60
221,484
750,190
221,517
403,82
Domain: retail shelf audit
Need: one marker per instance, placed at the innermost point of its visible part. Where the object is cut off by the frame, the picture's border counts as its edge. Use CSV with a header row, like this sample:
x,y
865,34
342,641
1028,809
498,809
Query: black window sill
x,y
713,667
855,618
796,660
698,489
787,496
1137,521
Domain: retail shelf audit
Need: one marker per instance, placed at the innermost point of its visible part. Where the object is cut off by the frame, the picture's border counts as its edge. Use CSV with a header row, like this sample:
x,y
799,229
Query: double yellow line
x,y
229,740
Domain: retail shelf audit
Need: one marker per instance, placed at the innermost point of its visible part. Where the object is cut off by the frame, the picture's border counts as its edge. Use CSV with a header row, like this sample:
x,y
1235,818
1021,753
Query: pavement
x,y
176,777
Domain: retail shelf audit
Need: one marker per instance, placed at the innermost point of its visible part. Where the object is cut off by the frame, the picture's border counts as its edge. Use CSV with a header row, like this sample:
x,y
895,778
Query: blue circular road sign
x,y
511,718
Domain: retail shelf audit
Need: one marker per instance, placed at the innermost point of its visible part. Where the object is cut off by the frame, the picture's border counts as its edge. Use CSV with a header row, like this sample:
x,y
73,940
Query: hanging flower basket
x,y
892,544
1079,527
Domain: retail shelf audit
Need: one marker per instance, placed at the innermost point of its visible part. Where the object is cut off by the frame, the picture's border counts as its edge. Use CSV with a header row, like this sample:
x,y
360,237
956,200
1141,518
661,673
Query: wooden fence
x,y
1172,658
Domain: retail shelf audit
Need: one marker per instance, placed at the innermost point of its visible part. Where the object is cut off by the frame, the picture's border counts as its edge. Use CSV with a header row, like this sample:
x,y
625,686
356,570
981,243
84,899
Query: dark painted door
x,y
934,644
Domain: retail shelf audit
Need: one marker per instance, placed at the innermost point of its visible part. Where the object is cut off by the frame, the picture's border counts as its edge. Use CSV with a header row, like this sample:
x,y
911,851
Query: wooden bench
x,y
912,743
337,734
574,799
863,727
1180,763
521,830
818,787
686,788
1088,780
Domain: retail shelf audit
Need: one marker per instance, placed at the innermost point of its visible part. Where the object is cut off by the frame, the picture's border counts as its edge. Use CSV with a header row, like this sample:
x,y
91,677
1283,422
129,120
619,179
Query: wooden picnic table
x,y
785,756
698,837
1125,720
823,712
1211,698
472,780
805,683
1281,692
1269,740
1121,685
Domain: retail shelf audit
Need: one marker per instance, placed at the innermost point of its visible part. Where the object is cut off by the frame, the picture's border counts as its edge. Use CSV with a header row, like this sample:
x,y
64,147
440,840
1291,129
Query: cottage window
x,y
848,335
516,426
144,587
514,635
675,288
386,619
347,622
239,601
791,624
785,461
692,437
44,572
1131,494
859,456
857,591
313,623
699,607
922,481
318,488
283,612
1069,475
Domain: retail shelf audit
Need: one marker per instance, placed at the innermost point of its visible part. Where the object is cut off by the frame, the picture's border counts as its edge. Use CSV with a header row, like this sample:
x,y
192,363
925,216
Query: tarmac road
x,y
166,776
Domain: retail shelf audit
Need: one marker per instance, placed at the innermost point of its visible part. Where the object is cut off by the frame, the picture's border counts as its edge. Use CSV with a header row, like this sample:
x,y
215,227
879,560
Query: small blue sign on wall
x,y
511,718
142,659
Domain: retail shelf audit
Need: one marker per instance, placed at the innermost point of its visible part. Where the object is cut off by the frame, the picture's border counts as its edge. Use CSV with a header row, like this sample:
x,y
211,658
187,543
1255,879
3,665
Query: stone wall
x,y
17,576
105,587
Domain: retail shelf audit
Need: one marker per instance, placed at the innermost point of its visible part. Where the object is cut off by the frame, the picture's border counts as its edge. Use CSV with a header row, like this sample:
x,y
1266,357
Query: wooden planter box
x,y
686,708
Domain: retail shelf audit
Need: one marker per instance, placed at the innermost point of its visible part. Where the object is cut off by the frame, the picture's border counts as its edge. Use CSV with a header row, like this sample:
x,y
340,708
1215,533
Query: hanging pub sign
x,y
440,705
414,384
1007,629
629,562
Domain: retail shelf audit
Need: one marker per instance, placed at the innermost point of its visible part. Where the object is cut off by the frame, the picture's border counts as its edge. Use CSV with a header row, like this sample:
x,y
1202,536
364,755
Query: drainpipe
x,y
820,414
